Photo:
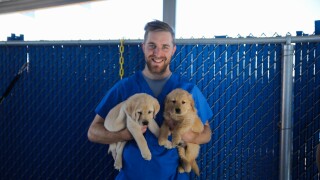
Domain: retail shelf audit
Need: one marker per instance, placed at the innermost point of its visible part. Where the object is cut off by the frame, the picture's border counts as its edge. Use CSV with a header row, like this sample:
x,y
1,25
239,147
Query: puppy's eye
x,y
149,112
139,112
173,101
183,102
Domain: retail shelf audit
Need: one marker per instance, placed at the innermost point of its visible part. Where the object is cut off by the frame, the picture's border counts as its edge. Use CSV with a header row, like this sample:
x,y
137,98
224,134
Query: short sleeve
x,y
110,100
201,103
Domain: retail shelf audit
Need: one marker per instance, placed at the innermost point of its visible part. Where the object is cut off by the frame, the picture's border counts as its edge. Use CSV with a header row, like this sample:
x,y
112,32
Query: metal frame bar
x,y
286,112
264,40
251,40
169,12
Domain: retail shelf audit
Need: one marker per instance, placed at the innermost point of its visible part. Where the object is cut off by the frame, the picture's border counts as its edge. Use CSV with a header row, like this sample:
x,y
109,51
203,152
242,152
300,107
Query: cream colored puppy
x,y
138,110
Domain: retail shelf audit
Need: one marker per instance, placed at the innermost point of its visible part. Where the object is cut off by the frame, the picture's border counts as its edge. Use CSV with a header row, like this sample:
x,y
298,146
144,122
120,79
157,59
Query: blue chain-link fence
x,y
45,117
306,126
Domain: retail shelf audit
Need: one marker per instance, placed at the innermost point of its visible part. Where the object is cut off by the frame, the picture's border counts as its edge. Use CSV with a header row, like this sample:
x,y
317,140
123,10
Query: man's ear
x,y
174,49
143,46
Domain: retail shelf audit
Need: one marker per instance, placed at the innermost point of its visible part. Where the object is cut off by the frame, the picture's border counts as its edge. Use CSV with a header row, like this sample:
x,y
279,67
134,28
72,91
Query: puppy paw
x,y
117,165
182,144
180,169
176,140
187,167
162,142
166,143
177,143
146,155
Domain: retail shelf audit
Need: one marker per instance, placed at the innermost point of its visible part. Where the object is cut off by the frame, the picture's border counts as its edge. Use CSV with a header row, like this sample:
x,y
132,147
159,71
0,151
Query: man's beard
x,y
158,69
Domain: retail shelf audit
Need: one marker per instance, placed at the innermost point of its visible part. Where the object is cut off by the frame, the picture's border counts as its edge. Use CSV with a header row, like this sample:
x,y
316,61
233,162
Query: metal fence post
x,y
286,111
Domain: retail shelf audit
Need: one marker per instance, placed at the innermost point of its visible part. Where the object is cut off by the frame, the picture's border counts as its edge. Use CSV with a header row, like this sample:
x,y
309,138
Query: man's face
x,y
158,50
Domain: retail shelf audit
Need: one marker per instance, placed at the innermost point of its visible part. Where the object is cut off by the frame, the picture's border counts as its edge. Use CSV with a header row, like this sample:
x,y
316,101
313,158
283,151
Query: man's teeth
x,y
157,60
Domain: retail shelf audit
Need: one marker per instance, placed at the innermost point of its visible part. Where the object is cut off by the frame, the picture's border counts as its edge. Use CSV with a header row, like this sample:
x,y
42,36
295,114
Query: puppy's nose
x,y
178,110
145,123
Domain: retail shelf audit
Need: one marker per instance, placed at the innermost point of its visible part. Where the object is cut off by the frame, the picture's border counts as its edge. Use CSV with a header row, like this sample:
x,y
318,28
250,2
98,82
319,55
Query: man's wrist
x,y
125,135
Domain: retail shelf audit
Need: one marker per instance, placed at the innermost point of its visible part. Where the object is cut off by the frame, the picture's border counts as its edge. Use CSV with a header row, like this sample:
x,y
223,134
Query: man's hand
x,y
126,134
198,138
189,136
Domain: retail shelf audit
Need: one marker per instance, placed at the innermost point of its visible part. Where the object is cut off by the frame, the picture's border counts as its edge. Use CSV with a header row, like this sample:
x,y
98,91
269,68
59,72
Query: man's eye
x,y
152,46
165,47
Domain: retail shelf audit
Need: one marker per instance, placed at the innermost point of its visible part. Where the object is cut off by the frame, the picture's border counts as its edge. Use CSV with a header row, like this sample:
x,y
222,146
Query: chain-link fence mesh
x,y
306,132
45,118
242,85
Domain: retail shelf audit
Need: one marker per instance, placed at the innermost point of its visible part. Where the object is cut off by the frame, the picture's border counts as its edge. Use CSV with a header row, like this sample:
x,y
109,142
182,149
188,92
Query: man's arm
x,y
198,138
97,133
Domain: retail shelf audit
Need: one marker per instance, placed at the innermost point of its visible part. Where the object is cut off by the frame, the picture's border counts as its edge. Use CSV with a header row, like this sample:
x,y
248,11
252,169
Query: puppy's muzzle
x,y
178,110
145,123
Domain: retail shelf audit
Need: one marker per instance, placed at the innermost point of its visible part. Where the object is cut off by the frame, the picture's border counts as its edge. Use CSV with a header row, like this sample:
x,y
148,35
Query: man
x,y
157,80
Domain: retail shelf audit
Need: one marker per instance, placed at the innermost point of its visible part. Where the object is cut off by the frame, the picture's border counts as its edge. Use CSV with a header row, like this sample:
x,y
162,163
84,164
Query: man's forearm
x,y
99,134
205,136
198,138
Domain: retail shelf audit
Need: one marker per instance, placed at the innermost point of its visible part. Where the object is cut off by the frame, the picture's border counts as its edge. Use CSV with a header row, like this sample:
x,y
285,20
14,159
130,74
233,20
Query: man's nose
x,y
157,51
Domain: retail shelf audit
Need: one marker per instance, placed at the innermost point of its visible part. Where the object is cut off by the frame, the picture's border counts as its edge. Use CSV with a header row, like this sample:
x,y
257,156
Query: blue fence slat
x,y
217,119
185,68
245,112
234,112
240,119
297,112
317,96
297,126
178,56
304,109
210,96
197,66
206,71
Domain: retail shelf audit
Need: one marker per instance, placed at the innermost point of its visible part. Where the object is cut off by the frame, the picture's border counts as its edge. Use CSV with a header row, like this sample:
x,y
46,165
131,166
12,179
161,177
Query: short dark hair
x,y
158,26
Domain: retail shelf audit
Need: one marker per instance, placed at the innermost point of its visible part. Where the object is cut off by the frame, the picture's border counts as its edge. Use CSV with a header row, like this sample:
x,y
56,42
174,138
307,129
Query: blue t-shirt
x,y
164,162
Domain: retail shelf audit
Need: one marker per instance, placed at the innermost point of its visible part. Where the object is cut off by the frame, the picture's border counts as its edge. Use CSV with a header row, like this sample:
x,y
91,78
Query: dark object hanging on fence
x,y
13,37
318,157
14,81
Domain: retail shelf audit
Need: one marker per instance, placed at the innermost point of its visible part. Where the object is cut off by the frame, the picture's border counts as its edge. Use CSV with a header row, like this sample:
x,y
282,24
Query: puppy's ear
x,y
121,114
192,103
166,103
130,109
156,107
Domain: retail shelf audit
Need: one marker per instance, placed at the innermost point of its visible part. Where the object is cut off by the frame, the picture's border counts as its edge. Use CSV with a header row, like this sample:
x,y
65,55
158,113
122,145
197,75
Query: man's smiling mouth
x,y
158,60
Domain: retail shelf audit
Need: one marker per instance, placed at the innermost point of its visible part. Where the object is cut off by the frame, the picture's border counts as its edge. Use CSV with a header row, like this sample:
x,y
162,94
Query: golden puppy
x,y
137,111
180,116
318,157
